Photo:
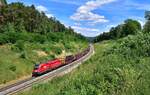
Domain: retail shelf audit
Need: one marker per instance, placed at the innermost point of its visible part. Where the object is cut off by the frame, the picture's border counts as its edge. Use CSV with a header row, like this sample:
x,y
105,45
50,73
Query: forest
x,y
29,37
16,20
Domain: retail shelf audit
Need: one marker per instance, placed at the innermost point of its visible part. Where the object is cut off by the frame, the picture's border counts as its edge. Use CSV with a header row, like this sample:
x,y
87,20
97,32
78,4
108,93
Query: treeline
x,y
20,22
129,27
27,18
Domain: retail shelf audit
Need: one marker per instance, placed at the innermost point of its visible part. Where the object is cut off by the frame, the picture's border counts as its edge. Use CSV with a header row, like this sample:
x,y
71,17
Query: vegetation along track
x,y
19,86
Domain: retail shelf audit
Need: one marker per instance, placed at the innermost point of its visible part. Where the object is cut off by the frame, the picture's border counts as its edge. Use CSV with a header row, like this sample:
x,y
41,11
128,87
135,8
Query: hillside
x,y
120,66
28,36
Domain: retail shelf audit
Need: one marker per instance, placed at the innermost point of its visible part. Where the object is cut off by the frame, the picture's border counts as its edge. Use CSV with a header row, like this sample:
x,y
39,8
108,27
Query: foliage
x,y
133,46
20,22
118,68
17,60
147,25
28,36
29,19
20,45
12,68
147,15
129,27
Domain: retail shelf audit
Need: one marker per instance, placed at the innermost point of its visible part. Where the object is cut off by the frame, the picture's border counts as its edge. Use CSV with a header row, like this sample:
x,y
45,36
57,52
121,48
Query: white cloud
x,y
85,29
90,32
67,2
142,22
49,15
77,24
84,12
41,8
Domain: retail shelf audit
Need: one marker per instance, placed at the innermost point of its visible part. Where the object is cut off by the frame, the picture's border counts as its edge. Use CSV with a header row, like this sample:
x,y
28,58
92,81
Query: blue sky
x,y
91,17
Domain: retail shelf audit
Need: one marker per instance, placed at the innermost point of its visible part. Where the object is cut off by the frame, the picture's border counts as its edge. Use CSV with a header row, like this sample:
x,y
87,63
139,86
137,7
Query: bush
x,y
12,68
20,45
24,55
133,46
9,27
57,50
39,38
46,49
3,39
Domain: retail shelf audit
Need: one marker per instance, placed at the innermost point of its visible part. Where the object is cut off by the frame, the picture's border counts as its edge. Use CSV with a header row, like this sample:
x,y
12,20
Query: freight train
x,y
50,65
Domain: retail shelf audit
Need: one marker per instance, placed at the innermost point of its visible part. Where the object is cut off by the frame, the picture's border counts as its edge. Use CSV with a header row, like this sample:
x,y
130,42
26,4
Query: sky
x,y
91,17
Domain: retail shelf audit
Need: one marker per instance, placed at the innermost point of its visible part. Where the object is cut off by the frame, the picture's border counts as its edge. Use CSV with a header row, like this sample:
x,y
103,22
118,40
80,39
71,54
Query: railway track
x,y
27,83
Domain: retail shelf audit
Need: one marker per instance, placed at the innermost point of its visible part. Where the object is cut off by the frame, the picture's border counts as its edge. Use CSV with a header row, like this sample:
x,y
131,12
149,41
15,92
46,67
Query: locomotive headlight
x,y
35,70
44,67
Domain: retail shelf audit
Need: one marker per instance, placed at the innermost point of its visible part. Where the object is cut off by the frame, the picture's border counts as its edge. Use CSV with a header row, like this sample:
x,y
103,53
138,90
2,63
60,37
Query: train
x,y
45,67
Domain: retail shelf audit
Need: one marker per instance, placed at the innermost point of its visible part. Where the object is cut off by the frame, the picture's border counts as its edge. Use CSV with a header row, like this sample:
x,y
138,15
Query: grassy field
x,y
17,60
115,69
77,82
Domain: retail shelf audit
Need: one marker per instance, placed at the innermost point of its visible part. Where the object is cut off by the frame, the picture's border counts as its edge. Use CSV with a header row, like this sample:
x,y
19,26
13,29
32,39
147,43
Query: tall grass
x,y
17,60
118,68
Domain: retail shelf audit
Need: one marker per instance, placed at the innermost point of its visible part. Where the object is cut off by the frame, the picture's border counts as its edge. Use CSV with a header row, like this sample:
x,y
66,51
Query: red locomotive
x,y
46,66
53,64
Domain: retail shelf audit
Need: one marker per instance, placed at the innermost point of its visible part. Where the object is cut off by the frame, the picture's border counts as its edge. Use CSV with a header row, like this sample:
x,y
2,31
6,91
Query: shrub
x,y
57,50
133,46
24,55
20,45
46,49
9,27
12,68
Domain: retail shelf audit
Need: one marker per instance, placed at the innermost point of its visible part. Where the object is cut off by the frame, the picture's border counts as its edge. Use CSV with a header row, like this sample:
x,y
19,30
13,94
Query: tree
x,y
20,22
147,27
147,24
147,15
131,27
9,27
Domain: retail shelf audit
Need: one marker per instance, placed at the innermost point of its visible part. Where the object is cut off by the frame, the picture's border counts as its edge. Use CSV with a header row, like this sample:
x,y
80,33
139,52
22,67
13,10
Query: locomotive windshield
x,y
36,66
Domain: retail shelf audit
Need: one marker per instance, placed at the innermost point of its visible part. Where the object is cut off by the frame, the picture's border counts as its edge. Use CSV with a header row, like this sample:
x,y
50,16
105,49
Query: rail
x,y
24,84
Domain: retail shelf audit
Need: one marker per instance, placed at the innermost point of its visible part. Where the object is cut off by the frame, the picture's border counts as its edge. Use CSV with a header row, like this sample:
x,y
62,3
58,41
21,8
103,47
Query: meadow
x,y
119,67
29,37
17,60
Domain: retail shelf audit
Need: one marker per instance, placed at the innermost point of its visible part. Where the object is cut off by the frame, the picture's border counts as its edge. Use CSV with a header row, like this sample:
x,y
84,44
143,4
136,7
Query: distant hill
x,y
90,39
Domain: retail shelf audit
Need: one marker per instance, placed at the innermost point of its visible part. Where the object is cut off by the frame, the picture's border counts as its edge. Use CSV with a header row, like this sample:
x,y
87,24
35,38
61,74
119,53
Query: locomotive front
x,y
35,71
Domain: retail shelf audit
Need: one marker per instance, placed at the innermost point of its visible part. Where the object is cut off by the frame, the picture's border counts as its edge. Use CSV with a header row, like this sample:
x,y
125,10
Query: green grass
x,y
113,70
75,83
17,60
